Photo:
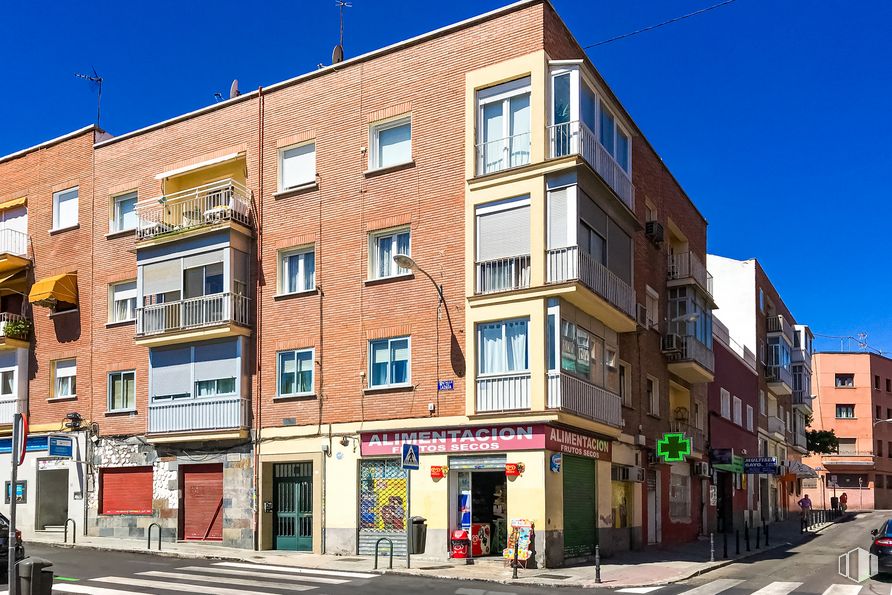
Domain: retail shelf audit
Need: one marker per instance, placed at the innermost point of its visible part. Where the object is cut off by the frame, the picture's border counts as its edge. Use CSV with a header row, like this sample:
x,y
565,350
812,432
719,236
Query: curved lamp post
x,y
405,261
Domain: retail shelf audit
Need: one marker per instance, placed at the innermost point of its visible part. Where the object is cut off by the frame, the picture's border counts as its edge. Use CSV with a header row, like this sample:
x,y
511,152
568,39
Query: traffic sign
x,y
410,457
61,446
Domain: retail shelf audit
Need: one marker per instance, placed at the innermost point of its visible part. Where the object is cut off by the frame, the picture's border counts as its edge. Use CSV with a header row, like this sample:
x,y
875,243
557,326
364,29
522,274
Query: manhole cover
x,y
350,560
556,577
435,567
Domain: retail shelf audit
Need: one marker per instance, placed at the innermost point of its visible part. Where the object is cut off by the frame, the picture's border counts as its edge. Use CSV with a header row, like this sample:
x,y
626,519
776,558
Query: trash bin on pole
x,y
417,535
35,577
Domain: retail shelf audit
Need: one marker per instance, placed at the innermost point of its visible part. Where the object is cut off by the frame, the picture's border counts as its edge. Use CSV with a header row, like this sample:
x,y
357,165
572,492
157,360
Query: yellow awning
x,y
48,292
16,202
15,280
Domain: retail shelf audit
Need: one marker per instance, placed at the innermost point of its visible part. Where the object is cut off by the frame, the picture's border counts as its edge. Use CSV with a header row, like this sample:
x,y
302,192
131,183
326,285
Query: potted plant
x,y
20,328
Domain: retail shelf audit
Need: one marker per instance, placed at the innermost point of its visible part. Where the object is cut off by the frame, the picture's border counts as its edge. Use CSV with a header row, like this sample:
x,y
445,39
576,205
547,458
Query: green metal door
x,y
293,506
580,507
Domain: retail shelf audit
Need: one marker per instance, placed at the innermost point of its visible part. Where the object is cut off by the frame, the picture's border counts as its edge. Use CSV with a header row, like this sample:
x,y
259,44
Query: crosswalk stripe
x,y
716,586
304,577
638,589
245,582
777,588
843,590
166,585
295,570
70,588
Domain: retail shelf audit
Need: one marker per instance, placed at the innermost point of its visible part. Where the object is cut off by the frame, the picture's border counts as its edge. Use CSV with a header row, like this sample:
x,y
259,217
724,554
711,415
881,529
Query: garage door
x,y
579,507
203,502
125,490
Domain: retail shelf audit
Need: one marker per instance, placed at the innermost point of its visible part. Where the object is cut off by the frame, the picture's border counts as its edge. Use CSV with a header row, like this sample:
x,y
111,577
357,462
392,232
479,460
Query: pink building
x,y
853,396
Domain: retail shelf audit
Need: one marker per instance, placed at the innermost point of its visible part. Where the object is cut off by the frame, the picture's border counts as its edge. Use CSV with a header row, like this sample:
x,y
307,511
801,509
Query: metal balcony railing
x,y
776,425
697,436
776,373
575,138
776,323
503,274
6,318
203,311
504,153
198,413
692,349
503,392
687,265
225,200
574,395
13,242
571,264
801,397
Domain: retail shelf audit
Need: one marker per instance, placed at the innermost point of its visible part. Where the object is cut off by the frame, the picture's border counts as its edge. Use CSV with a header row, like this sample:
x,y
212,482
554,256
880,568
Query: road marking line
x,y
638,589
68,588
777,588
245,582
843,590
139,582
304,578
716,586
296,570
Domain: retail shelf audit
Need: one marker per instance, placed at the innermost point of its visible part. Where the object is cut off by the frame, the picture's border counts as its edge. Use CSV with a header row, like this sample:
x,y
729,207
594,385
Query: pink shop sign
x,y
476,439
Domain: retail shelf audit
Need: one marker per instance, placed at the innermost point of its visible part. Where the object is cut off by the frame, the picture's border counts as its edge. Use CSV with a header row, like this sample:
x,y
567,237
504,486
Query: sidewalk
x,y
629,569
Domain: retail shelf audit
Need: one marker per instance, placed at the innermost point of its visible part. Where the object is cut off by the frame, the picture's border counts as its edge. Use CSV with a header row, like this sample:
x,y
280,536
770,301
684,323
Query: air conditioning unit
x,y
671,343
701,469
653,230
641,315
641,440
620,473
636,474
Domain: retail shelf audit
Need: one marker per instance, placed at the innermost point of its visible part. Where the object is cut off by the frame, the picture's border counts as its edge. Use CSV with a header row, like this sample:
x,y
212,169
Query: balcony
x,y
688,266
779,378
575,138
200,414
801,356
576,396
503,392
15,331
697,436
777,426
693,361
224,201
849,458
503,274
801,398
573,264
504,153
8,408
800,442
222,311
13,251
776,324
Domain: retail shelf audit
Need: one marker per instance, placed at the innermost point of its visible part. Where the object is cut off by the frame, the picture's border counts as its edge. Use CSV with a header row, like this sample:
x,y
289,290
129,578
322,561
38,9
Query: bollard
x,y
725,545
758,535
737,542
802,525
711,547
514,562
766,535
746,536
597,563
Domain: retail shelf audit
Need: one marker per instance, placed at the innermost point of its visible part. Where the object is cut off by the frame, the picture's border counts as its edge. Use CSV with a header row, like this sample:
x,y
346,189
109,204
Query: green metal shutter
x,y
580,503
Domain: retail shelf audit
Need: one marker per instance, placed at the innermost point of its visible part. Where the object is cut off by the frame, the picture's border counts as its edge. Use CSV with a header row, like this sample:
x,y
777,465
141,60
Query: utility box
x,y
35,577
417,534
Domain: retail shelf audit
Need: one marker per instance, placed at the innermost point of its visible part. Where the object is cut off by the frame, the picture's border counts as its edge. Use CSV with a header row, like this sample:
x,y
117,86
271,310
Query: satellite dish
x,y
233,89
337,54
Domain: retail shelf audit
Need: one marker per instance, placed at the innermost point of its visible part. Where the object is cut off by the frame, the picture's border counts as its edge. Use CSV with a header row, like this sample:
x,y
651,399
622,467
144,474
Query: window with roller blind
x,y
125,490
297,166
64,379
65,203
206,369
122,302
503,245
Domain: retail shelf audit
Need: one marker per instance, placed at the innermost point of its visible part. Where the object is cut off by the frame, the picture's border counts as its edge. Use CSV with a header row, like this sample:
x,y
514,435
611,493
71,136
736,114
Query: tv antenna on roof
x,y
95,83
337,54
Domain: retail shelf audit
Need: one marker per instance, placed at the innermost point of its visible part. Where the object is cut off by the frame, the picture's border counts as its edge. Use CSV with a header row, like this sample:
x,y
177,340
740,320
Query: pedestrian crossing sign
x,y
410,457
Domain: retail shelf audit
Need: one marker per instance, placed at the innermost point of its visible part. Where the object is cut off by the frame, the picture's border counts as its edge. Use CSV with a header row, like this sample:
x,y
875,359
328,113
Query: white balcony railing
x,y
687,265
7,317
212,203
505,392
697,436
582,398
199,413
571,263
504,153
575,137
503,274
776,425
801,397
8,409
776,323
203,311
778,374
692,350
13,242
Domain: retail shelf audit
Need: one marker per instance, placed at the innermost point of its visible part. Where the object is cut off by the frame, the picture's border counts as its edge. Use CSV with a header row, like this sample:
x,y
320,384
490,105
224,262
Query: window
x,y
122,391
65,208
889,450
679,496
297,270
847,446
653,396
592,243
389,362
384,246
749,418
64,379
584,354
738,411
391,143
203,280
124,215
845,380
122,301
202,370
503,347
613,138
698,416
879,411
889,385
215,387
297,166
690,314
763,408
725,397
295,373
7,383
761,301
876,383
879,451
503,245
845,412
503,131
652,304
625,384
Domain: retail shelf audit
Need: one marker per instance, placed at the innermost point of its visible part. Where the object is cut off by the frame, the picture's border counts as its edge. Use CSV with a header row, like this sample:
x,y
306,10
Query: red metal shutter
x,y
203,502
125,490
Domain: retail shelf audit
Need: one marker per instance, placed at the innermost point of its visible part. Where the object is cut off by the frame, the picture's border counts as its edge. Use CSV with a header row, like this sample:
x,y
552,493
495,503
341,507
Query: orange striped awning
x,y
52,290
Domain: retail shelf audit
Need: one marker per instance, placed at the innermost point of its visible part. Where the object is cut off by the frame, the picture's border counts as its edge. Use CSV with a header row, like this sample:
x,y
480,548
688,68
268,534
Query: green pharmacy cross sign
x,y
673,447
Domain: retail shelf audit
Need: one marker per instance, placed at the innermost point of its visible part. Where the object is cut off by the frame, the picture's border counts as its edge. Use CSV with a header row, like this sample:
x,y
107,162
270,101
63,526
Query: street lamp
x,y
405,261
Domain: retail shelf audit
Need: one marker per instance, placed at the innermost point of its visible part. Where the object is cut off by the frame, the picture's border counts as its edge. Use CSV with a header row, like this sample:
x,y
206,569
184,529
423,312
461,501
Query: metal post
x,y
737,542
712,547
514,560
746,536
758,535
725,545
14,476
408,512
766,535
597,563
73,533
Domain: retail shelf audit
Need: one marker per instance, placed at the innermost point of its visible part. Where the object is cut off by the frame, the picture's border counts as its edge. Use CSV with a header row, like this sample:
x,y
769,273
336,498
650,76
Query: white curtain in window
x,y
66,208
395,145
385,256
516,335
493,358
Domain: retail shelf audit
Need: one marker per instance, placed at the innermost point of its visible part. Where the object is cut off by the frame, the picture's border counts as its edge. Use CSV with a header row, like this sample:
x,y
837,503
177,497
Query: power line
x,y
860,340
658,25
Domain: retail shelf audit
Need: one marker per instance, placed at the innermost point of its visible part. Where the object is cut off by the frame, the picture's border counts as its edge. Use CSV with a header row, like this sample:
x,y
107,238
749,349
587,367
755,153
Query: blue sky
x,y
773,115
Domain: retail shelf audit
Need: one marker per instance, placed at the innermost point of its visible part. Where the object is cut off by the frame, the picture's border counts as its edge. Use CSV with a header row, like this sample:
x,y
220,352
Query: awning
x,y
14,281
52,290
801,469
194,166
16,202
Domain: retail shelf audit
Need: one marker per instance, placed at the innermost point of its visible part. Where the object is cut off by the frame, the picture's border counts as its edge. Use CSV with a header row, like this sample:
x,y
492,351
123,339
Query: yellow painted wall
x,y
235,169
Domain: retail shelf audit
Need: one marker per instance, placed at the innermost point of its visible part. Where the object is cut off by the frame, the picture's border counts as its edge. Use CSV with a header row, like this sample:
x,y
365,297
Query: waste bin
x,y
461,544
417,534
35,577
834,503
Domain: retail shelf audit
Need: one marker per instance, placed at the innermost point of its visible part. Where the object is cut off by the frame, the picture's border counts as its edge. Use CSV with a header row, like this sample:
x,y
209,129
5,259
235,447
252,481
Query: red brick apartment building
x,y
250,355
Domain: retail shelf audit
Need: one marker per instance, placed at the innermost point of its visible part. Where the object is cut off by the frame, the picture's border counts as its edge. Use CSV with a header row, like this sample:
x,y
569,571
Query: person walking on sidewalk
x,y
843,501
805,506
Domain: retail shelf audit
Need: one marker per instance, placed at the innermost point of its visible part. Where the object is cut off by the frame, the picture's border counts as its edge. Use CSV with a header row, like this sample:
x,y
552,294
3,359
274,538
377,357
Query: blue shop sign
x,y
756,465
35,443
